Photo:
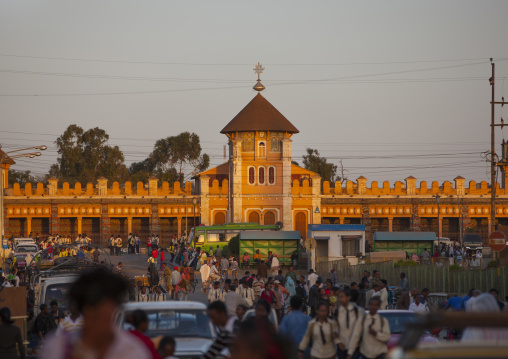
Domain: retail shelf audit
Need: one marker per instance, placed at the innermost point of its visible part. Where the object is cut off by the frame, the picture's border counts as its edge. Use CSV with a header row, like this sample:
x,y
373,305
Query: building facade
x,y
259,183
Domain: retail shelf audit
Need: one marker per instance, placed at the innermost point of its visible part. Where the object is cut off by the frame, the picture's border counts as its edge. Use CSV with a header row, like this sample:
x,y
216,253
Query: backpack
x,y
363,323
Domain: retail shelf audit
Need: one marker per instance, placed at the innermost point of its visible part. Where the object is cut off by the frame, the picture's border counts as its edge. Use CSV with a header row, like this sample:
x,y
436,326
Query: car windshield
x,y
60,293
26,249
398,321
178,323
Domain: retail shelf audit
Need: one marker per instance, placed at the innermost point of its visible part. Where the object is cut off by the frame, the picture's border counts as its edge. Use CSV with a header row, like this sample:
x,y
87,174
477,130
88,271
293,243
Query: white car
x,y
186,322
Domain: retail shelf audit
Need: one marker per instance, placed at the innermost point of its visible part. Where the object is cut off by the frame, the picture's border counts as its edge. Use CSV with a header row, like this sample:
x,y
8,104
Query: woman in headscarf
x,y
10,336
485,303
290,286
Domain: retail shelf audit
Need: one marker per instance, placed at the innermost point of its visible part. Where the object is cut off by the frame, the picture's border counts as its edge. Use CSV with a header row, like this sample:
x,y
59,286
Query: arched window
x,y
261,175
254,217
269,218
271,175
262,149
252,175
220,218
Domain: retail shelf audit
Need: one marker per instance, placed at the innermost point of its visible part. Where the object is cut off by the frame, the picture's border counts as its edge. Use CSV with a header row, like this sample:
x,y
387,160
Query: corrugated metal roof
x,y
269,235
405,236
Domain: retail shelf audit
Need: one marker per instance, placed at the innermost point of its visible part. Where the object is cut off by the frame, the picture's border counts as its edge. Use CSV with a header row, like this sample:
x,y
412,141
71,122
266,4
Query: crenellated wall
x,y
360,188
101,189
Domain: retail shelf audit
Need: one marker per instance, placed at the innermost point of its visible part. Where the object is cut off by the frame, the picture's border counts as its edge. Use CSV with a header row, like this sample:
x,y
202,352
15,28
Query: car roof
x,y
61,279
395,311
164,305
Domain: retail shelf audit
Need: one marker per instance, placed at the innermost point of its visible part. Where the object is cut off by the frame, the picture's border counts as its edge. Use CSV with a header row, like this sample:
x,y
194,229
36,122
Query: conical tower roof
x,y
259,115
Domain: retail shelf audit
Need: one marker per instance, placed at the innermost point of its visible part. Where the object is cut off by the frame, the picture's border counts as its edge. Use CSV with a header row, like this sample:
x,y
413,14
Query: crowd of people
x,y
451,253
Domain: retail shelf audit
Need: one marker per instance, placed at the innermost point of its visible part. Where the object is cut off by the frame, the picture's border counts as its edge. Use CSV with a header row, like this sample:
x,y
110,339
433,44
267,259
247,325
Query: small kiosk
x,y
282,243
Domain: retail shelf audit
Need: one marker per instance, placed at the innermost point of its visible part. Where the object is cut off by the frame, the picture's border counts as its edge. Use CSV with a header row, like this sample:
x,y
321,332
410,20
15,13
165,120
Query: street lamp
x,y
194,203
438,198
5,156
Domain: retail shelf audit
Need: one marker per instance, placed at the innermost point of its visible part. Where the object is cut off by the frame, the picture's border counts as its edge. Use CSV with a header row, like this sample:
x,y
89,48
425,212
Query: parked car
x,y
410,345
472,241
20,241
186,322
398,320
27,248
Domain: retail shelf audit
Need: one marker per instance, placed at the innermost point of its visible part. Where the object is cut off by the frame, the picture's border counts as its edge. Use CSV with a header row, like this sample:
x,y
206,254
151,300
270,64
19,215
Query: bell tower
x,y
260,162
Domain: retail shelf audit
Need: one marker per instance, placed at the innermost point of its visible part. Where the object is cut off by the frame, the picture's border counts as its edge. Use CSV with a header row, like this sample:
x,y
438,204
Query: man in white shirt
x,y
471,300
417,306
158,296
312,278
205,272
247,294
348,315
214,271
216,293
383,294
371,334
142,296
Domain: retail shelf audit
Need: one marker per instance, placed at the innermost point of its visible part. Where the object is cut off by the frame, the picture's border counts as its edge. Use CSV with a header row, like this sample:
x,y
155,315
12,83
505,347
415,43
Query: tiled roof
x,y
259,115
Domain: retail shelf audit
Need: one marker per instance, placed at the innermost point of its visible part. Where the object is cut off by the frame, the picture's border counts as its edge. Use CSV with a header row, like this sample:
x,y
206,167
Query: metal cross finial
x,y
259,69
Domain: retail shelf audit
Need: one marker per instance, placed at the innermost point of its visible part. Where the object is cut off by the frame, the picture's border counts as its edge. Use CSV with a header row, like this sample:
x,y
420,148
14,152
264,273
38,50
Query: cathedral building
x,y
258,183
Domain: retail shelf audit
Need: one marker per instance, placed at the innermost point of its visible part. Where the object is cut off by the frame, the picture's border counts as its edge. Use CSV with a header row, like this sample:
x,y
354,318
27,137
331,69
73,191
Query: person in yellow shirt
x,y
257,257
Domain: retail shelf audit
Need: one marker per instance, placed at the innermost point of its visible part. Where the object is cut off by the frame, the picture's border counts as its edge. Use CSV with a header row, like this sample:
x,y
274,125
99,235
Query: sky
x,y
391,88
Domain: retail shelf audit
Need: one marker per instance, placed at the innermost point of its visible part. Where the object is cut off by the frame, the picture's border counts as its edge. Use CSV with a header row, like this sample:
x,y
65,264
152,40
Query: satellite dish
x,y
279,225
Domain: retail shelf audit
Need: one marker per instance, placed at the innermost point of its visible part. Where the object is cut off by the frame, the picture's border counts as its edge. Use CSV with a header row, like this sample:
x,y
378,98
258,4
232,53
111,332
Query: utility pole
x,y
493,125
492,155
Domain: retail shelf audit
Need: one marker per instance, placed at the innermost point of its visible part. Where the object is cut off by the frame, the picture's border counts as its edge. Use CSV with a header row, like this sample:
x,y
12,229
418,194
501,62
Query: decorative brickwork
x,y
155,221
367,223
105,225
55,220
415,219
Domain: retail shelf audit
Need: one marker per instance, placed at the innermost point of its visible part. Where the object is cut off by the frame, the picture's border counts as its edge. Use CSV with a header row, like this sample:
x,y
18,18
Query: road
x,y
136,264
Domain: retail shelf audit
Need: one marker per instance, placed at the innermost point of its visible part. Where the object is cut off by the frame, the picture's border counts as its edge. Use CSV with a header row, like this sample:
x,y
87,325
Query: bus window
x,y
213,237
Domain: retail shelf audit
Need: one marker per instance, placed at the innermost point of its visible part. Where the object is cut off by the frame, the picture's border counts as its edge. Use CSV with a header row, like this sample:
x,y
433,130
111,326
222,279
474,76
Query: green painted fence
x,y
436,278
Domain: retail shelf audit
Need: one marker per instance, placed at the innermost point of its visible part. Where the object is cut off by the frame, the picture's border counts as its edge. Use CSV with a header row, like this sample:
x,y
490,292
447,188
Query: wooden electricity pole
x,y
493,125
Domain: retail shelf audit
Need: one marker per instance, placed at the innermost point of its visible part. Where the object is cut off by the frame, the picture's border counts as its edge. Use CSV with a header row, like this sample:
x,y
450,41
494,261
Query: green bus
x,y
220,234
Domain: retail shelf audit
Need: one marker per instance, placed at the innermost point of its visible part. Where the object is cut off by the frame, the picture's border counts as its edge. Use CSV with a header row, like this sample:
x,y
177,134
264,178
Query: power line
x,y
234,87
237,64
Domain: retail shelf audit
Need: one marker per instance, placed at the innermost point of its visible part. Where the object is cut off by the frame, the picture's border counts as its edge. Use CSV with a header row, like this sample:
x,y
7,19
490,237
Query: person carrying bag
x,y
321,334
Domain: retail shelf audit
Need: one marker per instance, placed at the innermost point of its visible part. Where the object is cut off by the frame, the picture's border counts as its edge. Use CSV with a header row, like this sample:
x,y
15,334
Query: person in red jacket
x,y
162,259
140,323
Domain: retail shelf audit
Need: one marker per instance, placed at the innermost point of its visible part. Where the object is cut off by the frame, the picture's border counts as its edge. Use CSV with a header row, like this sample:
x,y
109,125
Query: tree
x,y
315,163
21,177
170,157
84,156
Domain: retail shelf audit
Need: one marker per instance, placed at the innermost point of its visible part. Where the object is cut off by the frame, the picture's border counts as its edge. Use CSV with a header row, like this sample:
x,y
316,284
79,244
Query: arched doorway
x,y
220,218
269,218
254,217
301,224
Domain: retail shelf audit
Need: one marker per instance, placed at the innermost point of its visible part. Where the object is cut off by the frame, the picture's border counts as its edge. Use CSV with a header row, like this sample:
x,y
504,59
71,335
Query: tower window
x,y
262,149
271,175
261,177
252,175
